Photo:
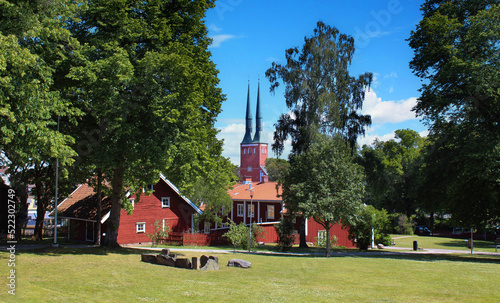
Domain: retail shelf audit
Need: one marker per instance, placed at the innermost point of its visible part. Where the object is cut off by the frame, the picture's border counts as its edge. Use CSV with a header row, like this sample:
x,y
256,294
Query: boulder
x,y
211,265
239,263
165,251
183,263
150,258
203,261
165,260
380,246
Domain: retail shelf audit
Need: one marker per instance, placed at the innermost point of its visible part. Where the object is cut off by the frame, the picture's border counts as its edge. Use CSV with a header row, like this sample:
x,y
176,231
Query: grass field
x,y
102,275
442,243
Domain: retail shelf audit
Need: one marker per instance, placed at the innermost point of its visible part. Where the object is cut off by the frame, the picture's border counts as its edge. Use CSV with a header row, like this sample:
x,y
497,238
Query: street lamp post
x,y
250,225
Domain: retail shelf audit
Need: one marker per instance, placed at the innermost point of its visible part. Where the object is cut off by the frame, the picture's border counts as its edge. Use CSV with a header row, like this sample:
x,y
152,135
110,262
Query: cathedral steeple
x,y
258,124
248,129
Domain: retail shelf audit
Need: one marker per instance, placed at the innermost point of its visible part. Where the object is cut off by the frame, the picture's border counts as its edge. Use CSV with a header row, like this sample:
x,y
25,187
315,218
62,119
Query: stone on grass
x,y
380,246
239,263
165,260
150,258
183,263
209,263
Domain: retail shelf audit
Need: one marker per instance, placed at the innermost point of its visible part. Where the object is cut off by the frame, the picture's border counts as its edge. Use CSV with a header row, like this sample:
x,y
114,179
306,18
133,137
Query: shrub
x,y
360,230
160,232
321,241
238,235
285,231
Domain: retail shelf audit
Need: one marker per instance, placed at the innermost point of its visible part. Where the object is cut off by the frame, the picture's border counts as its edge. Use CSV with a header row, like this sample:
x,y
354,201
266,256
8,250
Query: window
x,y
240,210
165,202
207,227
244,151
132,202
251,209
249,151
254,151
249,168
270,211
140,227
148,187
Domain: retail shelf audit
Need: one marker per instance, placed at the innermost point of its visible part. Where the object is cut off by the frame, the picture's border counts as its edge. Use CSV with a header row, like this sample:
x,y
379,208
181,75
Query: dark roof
x,y
82,204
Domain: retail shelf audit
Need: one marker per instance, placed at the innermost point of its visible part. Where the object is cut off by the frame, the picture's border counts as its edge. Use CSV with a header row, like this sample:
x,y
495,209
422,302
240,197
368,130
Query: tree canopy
x,y
324,100
457,50
332,190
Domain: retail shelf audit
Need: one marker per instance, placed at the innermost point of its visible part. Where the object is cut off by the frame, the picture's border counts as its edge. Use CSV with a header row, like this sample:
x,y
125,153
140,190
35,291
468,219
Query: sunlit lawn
x,y
442,243
100,275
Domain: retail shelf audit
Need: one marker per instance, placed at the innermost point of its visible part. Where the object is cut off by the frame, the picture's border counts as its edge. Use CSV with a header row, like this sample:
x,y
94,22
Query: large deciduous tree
x,y
321,94
34,50
149,91
333,189
457,51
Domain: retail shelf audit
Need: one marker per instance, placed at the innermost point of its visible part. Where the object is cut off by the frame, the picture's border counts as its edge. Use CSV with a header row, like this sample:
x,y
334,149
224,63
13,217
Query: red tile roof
x,y
267,191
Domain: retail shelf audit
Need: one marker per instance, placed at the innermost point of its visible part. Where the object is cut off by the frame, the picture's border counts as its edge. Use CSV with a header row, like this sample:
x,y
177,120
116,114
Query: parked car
x,y
422,230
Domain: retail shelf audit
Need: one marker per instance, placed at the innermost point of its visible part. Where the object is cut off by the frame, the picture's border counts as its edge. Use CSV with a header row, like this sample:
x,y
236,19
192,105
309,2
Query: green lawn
x,y
100,275
442,243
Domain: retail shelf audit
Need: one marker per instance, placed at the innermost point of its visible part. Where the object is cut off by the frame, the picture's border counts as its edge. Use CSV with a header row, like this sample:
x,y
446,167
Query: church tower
x,y
253,152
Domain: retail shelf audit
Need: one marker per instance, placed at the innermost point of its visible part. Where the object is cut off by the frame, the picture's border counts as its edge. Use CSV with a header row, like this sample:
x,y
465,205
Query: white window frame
x,y
163,204
240,210
132,202
140,227
251,210
269,208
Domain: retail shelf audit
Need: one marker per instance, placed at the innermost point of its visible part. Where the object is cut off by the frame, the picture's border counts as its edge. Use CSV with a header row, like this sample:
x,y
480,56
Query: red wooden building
x,y
164,205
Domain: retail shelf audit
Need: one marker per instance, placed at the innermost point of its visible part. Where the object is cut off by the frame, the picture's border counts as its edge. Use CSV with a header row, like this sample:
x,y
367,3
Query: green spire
x,y
258,123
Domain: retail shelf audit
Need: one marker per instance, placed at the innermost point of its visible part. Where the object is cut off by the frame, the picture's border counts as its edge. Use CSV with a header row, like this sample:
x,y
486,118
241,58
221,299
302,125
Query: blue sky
x,y
250,34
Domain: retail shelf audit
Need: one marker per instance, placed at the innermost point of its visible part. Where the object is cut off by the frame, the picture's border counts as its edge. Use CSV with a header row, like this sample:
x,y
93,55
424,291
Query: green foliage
x,y
160,233
360,229
324,183
392,171
456,52
276,168
321,241
238,235
211,190
319,91
402,224
286,233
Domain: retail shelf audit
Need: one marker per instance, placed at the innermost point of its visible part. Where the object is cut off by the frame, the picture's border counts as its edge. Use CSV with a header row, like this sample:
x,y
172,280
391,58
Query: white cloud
x,y
388,111
214,28
218,39
370,137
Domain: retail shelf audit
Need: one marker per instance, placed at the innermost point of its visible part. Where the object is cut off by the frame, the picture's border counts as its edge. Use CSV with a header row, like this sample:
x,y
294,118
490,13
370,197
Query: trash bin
x,y
415,245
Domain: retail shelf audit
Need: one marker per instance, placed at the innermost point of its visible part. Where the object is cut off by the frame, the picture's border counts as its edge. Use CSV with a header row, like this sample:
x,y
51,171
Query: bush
x,y
321,241
159,233
286,235
238,235
404,225
360,230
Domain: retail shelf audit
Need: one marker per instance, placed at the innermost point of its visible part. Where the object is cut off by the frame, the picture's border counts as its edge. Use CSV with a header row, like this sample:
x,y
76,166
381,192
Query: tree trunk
x,y
303,243
99,208
327,227
116,207
22,210
40,216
